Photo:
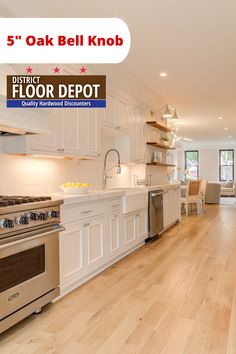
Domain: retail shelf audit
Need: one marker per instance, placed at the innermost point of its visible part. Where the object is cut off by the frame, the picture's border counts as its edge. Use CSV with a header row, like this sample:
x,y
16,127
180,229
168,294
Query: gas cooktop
x,y
13,200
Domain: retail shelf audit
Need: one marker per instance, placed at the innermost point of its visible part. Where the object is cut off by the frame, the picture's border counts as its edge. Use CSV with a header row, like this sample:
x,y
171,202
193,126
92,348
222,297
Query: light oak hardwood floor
x,y
177,295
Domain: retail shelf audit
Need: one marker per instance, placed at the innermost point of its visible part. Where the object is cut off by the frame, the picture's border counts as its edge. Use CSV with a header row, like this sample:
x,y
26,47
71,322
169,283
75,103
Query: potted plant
x,y
165,140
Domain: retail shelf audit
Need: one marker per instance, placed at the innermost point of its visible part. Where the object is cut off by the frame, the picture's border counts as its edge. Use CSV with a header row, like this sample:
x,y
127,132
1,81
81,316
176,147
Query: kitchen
x,y
112,218
96,252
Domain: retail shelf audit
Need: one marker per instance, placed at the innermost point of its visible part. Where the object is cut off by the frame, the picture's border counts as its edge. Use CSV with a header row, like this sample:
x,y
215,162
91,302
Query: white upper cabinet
x,y
116,114
137,147
47,142
122,114
75,132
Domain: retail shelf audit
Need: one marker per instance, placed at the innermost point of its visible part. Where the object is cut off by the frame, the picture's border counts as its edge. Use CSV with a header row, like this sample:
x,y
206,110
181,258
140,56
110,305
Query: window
x,y
191,164
226,165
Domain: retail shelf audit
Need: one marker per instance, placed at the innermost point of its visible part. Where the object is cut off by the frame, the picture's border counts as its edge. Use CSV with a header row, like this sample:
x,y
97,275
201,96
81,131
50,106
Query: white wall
x,y
208,161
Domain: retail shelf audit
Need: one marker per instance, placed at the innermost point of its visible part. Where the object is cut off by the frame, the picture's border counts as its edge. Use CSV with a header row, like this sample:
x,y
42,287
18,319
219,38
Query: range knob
x,y
22,220
42,216
33,216
6,224
53,214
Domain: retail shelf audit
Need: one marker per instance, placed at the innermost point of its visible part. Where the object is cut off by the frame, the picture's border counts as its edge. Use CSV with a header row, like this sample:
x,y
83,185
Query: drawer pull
x,y
87,224
115,205
86,211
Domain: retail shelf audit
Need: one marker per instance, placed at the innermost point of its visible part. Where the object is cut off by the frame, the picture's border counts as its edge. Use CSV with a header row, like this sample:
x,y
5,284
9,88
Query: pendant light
x,y
175,116
167,113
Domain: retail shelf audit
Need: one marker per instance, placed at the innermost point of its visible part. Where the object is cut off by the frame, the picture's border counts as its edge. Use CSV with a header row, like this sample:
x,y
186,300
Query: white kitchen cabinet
x,y
47,142
91,240
137,147
114,242
171,206
72,262
141,225
109,114
122,114
135,228
75,133
129,230
116,114
94,233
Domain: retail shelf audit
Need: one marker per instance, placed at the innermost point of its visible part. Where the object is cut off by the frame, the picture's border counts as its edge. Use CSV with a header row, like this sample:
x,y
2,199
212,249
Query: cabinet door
x,y
141,225
166,209
48,142
129,230
139,136
109,116
71,129
177,203
114,233
92,147
95,231
71,254
122,114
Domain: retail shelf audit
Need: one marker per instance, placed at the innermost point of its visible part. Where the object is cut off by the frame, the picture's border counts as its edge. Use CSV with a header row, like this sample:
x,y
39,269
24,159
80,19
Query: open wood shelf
x,y
160,145
159,164
160,126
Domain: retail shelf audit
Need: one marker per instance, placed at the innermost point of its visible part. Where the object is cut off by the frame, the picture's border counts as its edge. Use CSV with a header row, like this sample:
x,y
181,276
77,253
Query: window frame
x,y
220,179
185,160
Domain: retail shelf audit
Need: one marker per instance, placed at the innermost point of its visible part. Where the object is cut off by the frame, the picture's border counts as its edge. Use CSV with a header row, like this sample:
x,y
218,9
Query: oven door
x,y
29,268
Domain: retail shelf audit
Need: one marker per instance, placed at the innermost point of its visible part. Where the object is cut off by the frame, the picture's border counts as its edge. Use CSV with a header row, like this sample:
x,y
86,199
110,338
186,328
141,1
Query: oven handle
x,y
24,237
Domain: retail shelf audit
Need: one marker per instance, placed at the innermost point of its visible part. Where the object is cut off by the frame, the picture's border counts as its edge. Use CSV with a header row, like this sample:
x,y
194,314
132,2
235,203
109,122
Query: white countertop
x,y
96,195
91,196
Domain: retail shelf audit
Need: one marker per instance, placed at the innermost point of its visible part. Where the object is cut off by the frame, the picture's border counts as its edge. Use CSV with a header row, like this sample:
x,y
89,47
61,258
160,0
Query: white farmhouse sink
x,y
134,199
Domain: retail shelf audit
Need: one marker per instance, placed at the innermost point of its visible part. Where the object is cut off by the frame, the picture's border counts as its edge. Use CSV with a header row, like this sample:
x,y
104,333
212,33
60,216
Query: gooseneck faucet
x,y
118,171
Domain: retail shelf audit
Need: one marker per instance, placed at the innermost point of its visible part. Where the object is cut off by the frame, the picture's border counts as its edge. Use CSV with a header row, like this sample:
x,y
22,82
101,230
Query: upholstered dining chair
x,y
193,195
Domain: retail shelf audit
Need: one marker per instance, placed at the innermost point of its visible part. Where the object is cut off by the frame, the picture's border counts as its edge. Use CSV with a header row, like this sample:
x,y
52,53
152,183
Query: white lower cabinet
x,y
171,206
141,225
129,230
135,228
92,243
72,262
114,226
94,234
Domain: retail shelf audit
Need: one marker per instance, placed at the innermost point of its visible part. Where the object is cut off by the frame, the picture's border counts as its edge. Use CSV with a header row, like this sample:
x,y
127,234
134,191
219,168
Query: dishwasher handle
x,y
156,194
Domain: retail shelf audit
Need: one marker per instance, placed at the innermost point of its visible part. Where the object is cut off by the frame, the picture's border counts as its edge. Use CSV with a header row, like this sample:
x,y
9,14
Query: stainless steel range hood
x,y
19,121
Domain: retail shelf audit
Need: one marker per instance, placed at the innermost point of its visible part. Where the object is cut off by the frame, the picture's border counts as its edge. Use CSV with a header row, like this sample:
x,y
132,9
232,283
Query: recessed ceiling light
x,y
220,118
229,136
225,128
163,74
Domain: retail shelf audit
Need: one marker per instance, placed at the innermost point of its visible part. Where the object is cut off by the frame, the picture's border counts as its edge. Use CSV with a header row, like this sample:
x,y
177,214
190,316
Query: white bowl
x,y
71,190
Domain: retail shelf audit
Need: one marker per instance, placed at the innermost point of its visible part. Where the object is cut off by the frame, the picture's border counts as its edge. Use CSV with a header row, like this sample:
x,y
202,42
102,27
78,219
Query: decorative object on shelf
x,y
167,111
165,140
157,156
142,182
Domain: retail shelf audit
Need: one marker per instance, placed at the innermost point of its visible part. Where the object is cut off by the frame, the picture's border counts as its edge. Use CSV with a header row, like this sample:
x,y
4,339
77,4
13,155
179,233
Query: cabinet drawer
x,y
77,213
113,205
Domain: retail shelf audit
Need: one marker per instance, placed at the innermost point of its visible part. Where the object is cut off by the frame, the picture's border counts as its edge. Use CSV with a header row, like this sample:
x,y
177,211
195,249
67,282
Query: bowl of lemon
x,y
75,187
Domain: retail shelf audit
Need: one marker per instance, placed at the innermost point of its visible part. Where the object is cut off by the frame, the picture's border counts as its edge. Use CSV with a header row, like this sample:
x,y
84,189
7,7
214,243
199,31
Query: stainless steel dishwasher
x,y
155,214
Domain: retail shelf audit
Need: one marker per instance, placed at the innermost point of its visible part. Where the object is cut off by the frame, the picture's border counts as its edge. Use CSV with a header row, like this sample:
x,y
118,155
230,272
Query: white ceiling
x,y
194,41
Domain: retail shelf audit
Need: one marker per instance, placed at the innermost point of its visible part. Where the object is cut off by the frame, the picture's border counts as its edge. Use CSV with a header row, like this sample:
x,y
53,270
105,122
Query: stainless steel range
x,y
29,256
